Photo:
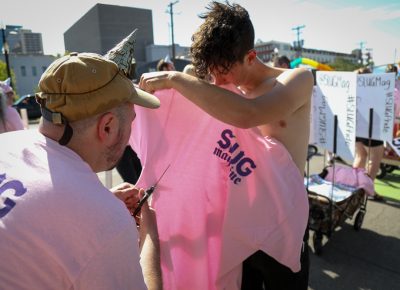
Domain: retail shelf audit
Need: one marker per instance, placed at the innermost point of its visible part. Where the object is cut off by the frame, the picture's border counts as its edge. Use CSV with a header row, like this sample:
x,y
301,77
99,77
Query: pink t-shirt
x,y
60,228
227,193
12,120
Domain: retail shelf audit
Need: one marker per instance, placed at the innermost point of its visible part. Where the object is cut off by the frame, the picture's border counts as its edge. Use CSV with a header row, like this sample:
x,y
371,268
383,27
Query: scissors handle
x,y
147,193
146,196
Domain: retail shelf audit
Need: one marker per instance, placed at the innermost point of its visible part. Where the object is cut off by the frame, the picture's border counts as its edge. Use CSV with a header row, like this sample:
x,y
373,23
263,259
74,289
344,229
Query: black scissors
x,y
147,194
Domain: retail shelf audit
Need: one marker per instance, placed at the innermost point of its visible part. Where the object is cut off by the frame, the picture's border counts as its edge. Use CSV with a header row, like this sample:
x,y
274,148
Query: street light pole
x,y
171,12
5,47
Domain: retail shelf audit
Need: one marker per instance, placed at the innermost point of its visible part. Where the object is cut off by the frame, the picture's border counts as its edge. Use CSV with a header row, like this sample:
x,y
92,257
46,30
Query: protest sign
x,y
375,91
334,94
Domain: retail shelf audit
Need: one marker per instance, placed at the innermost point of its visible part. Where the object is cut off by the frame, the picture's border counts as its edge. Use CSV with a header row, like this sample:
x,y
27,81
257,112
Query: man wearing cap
x,y
60,227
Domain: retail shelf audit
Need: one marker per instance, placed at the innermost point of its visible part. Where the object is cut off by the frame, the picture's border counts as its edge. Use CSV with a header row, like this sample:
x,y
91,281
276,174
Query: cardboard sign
x,y
335,94
375,91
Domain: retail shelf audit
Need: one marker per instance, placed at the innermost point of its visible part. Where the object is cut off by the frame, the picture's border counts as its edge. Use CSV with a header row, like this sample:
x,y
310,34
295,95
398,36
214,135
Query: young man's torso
x,y
291,131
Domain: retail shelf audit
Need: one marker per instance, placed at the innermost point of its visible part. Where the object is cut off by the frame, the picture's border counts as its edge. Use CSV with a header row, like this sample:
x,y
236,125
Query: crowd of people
x,y
61,228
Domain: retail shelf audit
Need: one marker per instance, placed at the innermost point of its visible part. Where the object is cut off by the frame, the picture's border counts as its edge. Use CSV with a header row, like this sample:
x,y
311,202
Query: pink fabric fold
x,y
354,177
228,193
12,120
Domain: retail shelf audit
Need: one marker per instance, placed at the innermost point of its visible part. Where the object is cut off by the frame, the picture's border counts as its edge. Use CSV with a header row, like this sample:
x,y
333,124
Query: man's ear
x,y
251,56
107,128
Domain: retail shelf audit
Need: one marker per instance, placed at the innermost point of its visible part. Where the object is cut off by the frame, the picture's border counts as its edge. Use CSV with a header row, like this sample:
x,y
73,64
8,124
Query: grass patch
x,y
389,186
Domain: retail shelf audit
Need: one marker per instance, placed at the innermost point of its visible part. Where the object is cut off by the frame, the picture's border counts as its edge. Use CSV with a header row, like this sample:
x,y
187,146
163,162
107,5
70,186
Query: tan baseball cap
x,y
81,85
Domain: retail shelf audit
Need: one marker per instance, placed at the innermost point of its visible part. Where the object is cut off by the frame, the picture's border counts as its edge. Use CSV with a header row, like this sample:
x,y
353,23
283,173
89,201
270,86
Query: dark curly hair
x,y
224,38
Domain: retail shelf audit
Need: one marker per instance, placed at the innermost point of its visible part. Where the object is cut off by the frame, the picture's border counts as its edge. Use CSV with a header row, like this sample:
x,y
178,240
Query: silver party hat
x,y
122,53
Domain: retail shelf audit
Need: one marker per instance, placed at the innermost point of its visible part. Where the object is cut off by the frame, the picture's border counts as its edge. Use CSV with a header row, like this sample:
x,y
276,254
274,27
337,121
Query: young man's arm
x,y
288,95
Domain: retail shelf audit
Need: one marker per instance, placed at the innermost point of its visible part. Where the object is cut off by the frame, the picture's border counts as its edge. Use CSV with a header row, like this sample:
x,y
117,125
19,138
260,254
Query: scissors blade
x,y
147,194
161,175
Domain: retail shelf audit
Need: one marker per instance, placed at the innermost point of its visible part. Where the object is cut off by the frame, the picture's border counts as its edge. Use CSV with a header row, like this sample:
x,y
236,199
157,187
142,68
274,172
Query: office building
x,y
267,50
103,26
27,69
25,58
22,41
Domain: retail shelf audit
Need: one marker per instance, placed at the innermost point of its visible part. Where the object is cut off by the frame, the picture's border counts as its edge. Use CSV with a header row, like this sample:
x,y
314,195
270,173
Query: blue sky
x,y
336,25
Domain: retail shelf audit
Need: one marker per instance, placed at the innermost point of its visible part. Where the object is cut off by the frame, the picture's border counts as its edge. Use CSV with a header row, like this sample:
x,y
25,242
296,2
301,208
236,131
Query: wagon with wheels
x,y
332,203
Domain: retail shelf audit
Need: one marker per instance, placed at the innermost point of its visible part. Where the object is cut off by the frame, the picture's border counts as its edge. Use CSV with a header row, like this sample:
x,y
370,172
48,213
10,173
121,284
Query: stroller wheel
x,y
359,220
317,243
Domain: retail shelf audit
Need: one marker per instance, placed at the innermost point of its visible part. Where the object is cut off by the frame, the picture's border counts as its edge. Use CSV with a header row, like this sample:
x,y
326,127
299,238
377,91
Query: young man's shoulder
x,y
302,76
298,81
294,73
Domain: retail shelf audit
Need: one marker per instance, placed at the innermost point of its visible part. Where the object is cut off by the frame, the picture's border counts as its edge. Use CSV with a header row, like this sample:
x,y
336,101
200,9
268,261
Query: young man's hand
x,y
154,81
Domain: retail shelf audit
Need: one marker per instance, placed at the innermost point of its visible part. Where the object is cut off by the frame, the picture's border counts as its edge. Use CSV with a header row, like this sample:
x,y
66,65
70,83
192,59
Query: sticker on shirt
x,y
239,164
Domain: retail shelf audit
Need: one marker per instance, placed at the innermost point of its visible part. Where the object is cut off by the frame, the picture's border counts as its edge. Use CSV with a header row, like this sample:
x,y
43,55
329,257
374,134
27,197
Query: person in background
x,y
392,68
10,120
281,61
369,153
165,64
60,227
277,102
189,69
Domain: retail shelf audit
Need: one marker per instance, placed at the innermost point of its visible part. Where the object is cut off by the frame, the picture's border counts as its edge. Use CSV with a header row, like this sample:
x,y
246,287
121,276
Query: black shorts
x,y
261,271
365,142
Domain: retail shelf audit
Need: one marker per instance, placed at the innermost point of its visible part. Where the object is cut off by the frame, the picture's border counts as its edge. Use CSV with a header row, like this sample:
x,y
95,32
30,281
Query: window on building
x,y
34,71
23,70
44,68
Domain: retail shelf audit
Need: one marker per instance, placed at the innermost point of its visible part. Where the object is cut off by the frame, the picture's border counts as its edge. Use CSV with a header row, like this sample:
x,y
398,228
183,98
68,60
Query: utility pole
x,y
5,48
369,58
360,56
299,43
171,13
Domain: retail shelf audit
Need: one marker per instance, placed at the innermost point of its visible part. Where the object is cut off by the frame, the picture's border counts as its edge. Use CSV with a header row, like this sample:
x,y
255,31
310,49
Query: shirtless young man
x,y
277,101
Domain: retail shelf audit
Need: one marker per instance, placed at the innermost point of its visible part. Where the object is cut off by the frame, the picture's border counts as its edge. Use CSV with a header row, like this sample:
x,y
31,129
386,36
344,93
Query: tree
x,y
341,64
3,73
